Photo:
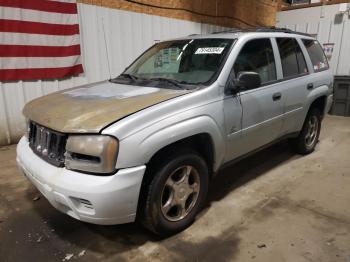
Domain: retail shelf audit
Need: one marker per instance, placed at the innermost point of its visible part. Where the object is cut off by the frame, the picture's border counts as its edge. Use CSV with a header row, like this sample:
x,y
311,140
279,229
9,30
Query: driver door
x,y
262,107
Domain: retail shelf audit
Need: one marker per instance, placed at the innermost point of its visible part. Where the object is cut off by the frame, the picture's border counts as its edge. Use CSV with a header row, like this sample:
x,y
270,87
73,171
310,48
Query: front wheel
x,y
176,193
306,142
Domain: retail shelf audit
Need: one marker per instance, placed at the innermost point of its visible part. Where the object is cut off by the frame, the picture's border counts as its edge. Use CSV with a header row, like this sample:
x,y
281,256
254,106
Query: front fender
x,y
139,148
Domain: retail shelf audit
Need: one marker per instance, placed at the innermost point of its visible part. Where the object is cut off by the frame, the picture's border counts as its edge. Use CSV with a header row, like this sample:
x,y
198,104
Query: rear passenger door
x,y
295,80
263,106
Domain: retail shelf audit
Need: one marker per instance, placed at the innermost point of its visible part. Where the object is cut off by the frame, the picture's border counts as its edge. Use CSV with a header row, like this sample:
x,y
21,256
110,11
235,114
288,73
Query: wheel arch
x,y
319,103
201,143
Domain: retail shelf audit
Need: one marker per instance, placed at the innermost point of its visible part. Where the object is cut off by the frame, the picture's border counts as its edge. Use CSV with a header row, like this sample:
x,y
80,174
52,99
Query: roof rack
x,y
262,30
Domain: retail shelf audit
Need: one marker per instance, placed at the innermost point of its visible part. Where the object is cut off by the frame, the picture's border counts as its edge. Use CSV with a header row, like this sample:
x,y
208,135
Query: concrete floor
x,y
273,206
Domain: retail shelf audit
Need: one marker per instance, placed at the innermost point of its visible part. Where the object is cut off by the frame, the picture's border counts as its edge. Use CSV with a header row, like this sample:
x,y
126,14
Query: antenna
x,y
104,36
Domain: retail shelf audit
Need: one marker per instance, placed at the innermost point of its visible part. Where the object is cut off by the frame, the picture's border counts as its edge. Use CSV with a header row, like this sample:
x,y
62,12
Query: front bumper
x,y
104,200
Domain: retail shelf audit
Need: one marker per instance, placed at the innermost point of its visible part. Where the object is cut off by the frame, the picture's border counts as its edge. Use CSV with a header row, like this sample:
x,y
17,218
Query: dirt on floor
x,y
272,206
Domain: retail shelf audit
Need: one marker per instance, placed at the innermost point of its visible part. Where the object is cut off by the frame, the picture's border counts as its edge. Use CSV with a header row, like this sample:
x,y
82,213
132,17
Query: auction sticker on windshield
x,y
209,50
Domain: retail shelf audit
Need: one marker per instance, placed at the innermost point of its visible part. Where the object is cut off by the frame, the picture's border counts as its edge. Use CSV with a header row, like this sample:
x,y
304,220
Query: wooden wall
x,y
230,13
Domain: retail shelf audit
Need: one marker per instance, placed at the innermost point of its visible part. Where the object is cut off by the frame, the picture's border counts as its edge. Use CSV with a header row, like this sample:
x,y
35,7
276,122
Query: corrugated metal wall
x,y
330,27
121,34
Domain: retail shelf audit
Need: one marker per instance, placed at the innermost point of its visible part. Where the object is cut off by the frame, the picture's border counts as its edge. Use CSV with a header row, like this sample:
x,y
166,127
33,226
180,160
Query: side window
x,y
317,56
257,56
292,58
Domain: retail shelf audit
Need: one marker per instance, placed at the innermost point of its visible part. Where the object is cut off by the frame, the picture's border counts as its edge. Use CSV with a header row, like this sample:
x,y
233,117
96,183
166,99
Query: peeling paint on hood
x,y
89,108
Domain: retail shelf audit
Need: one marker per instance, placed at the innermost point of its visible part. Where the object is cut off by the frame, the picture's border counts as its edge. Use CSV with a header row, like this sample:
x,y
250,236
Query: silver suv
x,y
146,144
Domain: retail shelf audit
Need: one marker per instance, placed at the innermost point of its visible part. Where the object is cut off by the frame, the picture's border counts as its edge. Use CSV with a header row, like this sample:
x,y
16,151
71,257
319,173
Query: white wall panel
x,y
111,39
344,57
4,125
330,27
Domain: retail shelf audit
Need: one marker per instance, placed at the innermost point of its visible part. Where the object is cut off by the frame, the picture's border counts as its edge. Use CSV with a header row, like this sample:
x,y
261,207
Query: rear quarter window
x,y
317,56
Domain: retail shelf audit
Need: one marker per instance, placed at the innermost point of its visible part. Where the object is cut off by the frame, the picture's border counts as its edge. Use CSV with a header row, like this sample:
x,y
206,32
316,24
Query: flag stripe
x,y
37,28
39,73
42,5
37,39
11,13
38,62
38,51
64,1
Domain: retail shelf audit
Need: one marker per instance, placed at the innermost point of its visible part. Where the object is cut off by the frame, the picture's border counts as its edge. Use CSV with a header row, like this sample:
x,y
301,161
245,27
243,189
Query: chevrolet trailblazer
x,y
146,144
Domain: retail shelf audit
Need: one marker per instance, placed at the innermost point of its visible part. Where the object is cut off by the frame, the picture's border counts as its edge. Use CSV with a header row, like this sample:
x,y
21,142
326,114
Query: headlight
x,y
91,153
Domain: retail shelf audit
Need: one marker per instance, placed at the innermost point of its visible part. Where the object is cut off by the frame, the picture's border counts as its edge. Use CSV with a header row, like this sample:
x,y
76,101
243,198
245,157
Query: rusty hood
x,y
89,108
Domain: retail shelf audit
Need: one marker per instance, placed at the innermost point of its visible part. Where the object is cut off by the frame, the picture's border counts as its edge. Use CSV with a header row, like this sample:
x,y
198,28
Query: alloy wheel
x,y
312,129
180,193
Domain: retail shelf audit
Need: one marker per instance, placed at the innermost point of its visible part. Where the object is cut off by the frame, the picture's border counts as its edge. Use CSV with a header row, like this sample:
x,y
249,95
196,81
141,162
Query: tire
x,y
308,137
168,205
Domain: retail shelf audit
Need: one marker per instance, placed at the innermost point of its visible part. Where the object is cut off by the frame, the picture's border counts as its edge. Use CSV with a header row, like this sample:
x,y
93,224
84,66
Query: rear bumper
x,y
329,103
102,200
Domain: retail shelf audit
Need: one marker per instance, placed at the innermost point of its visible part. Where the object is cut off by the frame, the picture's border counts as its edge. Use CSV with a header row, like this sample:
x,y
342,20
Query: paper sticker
x,y
166,59
173,54
209,50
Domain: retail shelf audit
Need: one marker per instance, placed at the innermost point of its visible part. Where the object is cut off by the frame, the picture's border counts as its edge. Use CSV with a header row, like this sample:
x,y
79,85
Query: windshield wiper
x,y
132,77
171,81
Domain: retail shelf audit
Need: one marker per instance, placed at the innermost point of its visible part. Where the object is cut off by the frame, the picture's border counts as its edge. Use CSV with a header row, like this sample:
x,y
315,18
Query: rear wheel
x,y
306,142
175,194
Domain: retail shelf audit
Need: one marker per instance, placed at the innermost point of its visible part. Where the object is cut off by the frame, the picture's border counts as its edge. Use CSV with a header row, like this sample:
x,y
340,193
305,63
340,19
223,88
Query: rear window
x,y
317,56
292,58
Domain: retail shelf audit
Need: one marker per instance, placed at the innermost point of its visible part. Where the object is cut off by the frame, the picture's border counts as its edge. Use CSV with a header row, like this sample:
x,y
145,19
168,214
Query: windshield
x,y
194,61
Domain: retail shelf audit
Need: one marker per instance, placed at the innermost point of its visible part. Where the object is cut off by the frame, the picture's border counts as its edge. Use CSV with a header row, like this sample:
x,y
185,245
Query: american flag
x,y
39,39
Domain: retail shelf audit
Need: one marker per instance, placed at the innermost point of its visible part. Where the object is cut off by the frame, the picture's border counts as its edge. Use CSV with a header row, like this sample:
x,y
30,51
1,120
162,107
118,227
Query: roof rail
x,y
263,30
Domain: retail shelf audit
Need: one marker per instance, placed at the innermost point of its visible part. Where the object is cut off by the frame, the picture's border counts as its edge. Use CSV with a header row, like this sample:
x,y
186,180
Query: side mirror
x,y
247,80
244,81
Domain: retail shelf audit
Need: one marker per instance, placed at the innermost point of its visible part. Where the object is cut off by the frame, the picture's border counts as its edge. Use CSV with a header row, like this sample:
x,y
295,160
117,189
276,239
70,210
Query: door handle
x,y
276,96
310,86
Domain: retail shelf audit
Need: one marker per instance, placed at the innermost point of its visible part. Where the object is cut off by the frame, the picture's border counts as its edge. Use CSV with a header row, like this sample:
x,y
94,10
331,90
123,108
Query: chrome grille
x,y
47,144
